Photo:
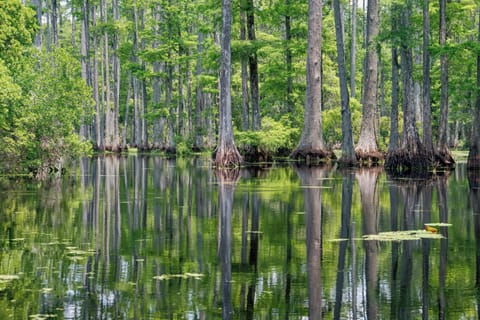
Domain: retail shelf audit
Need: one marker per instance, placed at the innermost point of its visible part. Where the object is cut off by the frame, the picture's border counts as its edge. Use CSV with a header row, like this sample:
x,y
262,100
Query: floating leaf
x,y
439,224
403,235
196,276
338,240
8,277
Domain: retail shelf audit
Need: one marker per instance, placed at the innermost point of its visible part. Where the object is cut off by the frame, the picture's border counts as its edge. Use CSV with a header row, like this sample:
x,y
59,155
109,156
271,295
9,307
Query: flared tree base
x,y
403,161
444,158
227,157
368,158
348,161
311,156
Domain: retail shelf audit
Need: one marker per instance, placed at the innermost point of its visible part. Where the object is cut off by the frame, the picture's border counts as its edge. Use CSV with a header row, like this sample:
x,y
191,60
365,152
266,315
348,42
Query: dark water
x,y
149,238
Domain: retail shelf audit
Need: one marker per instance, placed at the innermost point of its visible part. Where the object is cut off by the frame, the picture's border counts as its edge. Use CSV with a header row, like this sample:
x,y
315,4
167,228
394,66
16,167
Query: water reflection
x,y
227,178
143,237
311,179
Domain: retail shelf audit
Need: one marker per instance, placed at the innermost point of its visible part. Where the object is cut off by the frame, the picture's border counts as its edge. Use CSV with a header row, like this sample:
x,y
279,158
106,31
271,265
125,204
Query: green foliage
x,y
274,136
17,29
45,104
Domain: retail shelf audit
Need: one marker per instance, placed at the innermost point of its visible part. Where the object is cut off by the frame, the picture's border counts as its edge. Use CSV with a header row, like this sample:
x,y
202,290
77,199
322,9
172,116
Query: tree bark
x,y
98,138
288,59
348,152
427,105
366,149
473,162
54,22
353,49
244,60
85,60
198,143
394,135
227,154
253,66
443,150
312,147
411,156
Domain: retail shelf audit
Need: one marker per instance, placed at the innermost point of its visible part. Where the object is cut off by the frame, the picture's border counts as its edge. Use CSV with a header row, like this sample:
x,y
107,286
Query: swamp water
x,y
142,237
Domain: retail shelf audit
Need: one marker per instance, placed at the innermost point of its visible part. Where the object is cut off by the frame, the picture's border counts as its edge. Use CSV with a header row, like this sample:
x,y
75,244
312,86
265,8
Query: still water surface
x,y
143,237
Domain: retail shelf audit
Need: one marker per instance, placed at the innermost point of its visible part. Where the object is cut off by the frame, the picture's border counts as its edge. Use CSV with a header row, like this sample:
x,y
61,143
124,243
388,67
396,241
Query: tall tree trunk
x,y
253,66
288,59
54,22
312,147
427,104
366,149
107,91
473,161
411,155
443,150
98,137
348,151
159,122
198,143
394,135
85,61
227,154
244,60
37,4
116,80
353,49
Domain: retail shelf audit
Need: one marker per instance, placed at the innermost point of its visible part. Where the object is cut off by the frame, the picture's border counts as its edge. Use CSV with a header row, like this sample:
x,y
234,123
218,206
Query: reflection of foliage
x,y
167,224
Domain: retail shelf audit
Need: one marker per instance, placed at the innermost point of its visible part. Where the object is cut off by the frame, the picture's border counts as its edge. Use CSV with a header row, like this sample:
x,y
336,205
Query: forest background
x,y
78,76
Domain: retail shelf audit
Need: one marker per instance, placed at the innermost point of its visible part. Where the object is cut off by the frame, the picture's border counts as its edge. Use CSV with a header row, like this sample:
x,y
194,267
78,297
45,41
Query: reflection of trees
x,y
426,218
311,180
410,198
474,188
416,196
394,200
226,187
367,182
443,213
347,186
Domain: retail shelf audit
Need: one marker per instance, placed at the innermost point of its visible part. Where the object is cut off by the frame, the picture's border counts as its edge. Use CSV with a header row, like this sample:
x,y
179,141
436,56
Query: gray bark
x,y
312,145
394,138
227,154
54,22
244,59
353,49
85,59
366,148
98,139
473,161
288,59
427,104
348,152
442,143
198,142
253,66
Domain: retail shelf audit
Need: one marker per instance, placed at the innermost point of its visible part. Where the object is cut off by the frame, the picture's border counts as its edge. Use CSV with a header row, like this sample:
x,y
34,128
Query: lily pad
x,y
403,235
438,224
196,276
8,277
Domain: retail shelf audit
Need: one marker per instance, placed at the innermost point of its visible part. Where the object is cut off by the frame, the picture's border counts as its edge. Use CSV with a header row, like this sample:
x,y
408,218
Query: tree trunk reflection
x,y
367,181
311,181
347,186
226,188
